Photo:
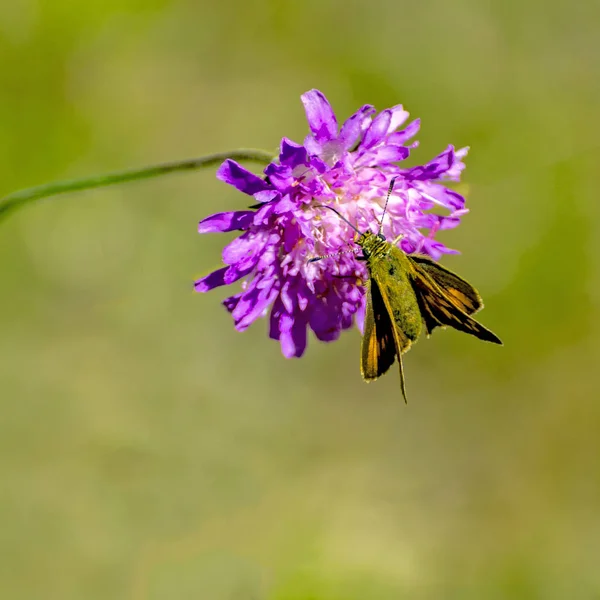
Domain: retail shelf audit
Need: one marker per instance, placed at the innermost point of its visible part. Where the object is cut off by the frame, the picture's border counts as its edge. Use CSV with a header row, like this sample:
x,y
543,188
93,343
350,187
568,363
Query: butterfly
x,y
406,293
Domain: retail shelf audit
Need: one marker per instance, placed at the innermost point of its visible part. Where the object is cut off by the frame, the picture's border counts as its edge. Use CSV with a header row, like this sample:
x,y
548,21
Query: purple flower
x,y
349,168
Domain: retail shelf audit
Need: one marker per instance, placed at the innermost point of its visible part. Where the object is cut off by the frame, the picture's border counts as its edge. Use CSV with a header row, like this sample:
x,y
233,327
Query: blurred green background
x,y
150,451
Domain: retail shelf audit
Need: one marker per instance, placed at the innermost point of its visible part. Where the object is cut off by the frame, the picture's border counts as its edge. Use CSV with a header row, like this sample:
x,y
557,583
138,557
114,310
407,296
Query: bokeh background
x,y
149,451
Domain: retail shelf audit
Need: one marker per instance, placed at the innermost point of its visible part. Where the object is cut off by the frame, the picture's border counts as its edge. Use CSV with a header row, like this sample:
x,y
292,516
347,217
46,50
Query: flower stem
x,y
20,198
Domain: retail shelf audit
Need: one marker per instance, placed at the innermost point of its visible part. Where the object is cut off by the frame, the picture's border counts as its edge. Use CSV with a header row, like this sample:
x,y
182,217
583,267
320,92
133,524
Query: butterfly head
x,y
370,242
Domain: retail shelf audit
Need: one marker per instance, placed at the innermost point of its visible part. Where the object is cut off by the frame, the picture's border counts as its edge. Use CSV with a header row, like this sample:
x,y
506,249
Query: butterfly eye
x,y
381,237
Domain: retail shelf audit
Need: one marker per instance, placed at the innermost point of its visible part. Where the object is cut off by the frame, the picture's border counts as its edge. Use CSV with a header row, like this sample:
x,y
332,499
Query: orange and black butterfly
x,y
405,292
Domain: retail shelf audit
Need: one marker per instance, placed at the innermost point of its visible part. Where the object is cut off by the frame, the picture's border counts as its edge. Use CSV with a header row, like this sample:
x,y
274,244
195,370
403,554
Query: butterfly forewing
x,y
461,292
378,349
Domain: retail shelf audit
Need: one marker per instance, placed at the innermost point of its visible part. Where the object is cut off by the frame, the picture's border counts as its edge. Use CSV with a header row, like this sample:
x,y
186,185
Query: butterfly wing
x,y
446,299
378,349
461,292
393,295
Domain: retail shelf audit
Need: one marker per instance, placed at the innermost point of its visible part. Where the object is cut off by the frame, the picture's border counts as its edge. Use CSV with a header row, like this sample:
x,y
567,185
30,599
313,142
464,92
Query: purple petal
x,y
287,299
399,115
231,302
313,147
408,246
441,195
292,154
425,221
292,335
318,165
211,281
320,116
435,168
276,311
360,316
253,304
238,271
303,298
289,327
347,315
286,204
291,235
317,189
453,173
246,254
383,155
408,132
226,221
263,214
435,249
324,320
280,177
378,130
449,222
354,126
247,302
241,247
234,174
267,196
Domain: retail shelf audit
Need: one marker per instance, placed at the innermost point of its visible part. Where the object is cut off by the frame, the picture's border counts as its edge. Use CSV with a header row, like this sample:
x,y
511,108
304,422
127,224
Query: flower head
x,y
349,168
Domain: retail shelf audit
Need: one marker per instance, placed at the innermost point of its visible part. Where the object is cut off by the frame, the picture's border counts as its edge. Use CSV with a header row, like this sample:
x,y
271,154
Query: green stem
x,y
20,198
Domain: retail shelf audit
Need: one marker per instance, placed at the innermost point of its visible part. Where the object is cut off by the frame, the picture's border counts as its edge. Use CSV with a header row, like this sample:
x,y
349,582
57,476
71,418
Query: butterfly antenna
x,y
340,215
387,199
317,258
